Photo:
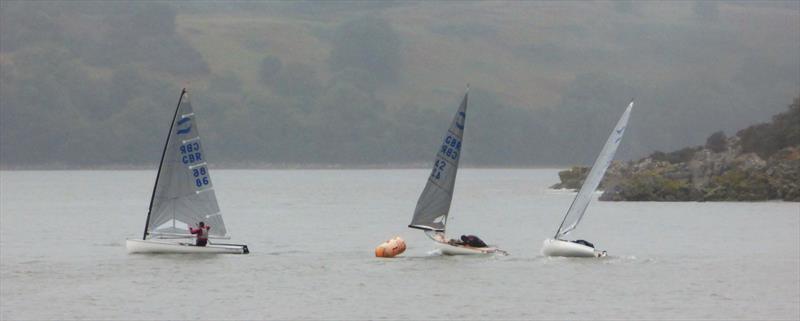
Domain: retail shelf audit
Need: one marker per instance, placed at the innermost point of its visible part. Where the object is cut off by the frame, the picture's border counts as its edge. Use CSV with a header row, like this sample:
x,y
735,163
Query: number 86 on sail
x,y
200,175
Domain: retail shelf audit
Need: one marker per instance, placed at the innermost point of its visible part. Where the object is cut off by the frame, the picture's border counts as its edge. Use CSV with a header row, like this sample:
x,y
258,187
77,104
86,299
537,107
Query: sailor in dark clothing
x,y
583,242
469,240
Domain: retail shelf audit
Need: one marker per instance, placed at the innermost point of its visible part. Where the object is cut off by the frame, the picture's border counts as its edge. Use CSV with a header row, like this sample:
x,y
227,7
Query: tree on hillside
x,y
297,80
367,43
767,138
788,123
144,33
717,142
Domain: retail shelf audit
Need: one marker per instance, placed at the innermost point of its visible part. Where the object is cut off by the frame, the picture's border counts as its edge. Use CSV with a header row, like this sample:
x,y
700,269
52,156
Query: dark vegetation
x,y
679,156
769,138
572,178
717,142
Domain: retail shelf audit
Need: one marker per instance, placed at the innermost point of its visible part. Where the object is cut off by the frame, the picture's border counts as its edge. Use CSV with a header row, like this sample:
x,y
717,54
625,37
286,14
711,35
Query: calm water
x,y
312,235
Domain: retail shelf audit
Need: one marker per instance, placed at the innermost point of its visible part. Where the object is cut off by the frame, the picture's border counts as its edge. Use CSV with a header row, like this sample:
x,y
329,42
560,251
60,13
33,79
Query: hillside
x,y
349,83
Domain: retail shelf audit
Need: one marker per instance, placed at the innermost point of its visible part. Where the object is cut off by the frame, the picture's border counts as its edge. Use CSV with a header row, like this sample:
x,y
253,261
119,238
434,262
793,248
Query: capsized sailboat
x,y
433,205
558,246
183,195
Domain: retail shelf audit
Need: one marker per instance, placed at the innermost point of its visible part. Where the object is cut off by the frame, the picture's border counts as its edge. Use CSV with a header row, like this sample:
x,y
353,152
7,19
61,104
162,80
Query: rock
x,y
572,178
749,161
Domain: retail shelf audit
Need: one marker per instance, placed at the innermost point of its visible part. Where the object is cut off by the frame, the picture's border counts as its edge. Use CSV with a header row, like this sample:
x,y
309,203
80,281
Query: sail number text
x,y
451,147
190,153
200,175
449,150
438,168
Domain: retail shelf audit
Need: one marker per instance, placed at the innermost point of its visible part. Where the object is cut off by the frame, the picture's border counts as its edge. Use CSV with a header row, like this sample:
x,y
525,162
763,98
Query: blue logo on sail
x,y
619,132
186,130
460,125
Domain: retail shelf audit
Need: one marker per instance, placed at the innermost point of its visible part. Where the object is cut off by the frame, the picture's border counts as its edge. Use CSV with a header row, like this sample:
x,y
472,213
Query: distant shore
x,y
264,166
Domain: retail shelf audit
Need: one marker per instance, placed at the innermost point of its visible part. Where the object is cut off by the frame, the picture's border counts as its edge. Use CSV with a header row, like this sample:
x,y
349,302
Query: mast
x,y
161,163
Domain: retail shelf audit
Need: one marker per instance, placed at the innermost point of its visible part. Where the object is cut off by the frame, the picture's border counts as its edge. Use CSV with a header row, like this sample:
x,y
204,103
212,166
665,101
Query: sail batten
x,y
451,162
198,165
601,164
184,195
433,205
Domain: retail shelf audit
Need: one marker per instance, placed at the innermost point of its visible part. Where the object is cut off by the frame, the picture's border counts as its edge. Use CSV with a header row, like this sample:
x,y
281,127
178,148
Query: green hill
x,y
354,83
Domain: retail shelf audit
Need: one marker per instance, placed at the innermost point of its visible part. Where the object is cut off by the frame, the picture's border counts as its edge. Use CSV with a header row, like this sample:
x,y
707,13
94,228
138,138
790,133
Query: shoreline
x,y
265,167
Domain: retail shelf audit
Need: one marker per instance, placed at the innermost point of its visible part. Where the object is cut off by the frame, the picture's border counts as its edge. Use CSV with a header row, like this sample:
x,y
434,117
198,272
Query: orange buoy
x,y
391,248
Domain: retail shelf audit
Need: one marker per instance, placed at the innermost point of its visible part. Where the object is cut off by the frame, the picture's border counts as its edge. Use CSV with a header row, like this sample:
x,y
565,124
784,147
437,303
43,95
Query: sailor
x,y
584,242
469,240
202,233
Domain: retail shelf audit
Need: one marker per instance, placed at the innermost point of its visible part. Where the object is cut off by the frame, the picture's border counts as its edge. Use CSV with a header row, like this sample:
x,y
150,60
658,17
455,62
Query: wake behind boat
x,y
558,246
183,195
433,205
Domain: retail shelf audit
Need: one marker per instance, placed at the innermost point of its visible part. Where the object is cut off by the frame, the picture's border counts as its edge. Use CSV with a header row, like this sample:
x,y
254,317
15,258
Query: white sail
x,y
183,194
433,205
578,207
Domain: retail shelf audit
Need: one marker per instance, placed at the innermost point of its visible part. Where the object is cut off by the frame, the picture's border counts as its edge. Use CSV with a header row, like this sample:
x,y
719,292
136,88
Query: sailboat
x,y
558,246
433,205
183,195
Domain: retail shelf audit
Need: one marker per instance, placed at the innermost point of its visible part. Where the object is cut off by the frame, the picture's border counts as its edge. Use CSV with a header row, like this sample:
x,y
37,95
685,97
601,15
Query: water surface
x,y
312,234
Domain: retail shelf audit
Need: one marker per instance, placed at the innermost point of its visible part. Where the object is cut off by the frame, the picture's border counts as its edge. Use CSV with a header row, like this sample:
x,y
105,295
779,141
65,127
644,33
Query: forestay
x,y
578,207
433,205
183,194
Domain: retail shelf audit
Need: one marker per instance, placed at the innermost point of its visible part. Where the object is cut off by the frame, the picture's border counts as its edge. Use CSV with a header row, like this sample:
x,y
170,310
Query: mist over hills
x,y
86,84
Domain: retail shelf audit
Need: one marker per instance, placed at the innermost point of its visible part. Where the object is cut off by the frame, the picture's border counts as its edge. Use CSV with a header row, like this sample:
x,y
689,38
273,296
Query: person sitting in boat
x,y
468,240
202,233
584,242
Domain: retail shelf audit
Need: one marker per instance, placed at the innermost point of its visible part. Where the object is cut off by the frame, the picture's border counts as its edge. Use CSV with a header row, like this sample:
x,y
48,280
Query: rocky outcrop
x,y
761,162
708,176
572,178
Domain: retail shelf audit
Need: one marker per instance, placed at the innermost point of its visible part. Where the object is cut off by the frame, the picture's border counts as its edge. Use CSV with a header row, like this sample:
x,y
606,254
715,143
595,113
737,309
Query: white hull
x,y
177,247
448,249
552,247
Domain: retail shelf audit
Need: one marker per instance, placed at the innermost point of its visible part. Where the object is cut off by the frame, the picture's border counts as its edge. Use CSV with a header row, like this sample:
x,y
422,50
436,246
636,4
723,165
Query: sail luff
x,y
184,193
595,176
434,202
161,164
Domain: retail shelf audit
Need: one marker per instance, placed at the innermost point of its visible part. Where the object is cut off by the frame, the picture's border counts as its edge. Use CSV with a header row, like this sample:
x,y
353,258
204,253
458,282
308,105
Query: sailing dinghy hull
x,y
174,247
448,249
554,247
